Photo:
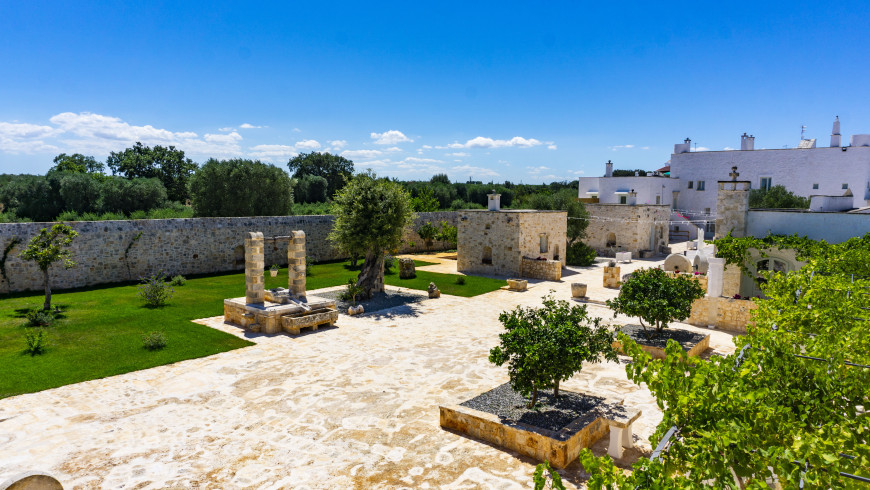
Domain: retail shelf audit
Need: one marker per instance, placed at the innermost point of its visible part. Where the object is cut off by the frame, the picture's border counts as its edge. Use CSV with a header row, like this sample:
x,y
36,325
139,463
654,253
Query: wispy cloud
x,y
621,147
483,142
250,126
390,137
272,152
361,153
457,154
307,145
474,171
338,144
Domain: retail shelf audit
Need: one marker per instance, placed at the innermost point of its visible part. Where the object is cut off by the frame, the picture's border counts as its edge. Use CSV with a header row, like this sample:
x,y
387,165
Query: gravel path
x,y
379,301
551,414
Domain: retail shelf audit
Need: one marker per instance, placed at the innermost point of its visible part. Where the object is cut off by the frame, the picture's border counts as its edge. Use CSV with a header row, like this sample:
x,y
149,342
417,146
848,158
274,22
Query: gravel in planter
x,y
379,301
551,414
685,338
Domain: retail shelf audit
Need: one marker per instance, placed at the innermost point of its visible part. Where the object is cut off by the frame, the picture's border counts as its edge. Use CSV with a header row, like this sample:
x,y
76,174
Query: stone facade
x,y
632,229
548,270
611,277
106,251
255,284
726,313
494,242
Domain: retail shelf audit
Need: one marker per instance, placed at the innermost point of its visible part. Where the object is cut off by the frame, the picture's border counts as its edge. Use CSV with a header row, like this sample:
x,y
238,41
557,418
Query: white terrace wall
x,y
176,246
832,227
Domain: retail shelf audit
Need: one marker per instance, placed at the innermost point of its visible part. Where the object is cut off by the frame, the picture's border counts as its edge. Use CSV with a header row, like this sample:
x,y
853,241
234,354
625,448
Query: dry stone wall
x,y
726,313
630,228
106,251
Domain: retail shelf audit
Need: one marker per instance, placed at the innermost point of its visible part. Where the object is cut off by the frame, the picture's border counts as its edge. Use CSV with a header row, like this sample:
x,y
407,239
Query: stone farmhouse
x,y
515,242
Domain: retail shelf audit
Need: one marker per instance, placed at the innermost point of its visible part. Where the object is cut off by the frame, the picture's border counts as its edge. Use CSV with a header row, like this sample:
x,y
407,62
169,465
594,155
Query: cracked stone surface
x,y
354,406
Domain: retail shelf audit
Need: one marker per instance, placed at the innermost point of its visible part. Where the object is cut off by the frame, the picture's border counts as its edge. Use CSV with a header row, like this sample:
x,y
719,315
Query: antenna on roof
x,y
803,130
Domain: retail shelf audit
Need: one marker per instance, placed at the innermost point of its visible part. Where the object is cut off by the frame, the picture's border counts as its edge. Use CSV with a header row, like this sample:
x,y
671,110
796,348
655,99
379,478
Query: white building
x,y
807,171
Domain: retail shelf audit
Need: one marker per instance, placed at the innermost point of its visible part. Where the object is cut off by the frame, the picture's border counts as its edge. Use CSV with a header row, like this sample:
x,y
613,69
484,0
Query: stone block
x,y
407,269
578,290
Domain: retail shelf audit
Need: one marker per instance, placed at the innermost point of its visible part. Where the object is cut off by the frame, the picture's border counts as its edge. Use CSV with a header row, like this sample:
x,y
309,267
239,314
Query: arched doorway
x,y
487,256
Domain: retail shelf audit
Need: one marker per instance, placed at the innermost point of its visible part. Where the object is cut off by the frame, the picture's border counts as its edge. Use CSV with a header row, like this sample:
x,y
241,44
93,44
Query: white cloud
x,y
361,153
307,145
457,154
393,149
227,129
644,148
552,147
250,126
25,137
421,160
578,172
701,148
272,152
297,130
338,144
728,148
223,138
537,170
426,147
483,142
390,137
620,147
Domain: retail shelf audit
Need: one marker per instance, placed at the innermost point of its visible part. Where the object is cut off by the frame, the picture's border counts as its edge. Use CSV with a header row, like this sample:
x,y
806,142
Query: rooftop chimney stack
x,y
747,142
835,133
608,169
684,147
494,201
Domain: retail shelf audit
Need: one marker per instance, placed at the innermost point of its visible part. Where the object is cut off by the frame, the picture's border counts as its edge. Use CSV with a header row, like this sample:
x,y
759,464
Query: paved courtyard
x,y
355,406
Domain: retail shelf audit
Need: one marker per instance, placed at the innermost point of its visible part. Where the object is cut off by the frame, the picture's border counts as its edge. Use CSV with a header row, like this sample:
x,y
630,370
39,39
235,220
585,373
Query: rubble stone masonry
x,y
106,251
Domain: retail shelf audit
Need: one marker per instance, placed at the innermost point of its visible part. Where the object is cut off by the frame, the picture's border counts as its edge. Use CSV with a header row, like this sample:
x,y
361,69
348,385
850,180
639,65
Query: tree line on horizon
x,y
143,182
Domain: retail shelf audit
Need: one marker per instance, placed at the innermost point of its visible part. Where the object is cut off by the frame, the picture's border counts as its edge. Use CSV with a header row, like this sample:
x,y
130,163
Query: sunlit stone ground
x,y
354,406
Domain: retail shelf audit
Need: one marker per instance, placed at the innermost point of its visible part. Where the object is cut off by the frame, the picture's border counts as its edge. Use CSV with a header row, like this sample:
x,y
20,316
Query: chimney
x,y
835,133
632,198
608,169
747,142
684,147
494,201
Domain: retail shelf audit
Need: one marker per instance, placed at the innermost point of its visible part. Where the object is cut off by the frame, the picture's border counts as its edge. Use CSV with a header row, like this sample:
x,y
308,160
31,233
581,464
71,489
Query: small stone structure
x,y
611,277
732,203
510,242
406,269
627,228
578,290
433,291
677,262
559,448
278,309
31,480
725,313
518,284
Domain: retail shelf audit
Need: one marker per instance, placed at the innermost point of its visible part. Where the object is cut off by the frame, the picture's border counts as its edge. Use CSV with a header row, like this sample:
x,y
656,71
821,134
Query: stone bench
x,y
623,256
620,420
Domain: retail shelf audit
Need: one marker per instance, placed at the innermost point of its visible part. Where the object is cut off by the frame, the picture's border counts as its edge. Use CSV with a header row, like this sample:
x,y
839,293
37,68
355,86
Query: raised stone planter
x,y
693,343
578,290
293,322
611,277
518,284
560,447
267,317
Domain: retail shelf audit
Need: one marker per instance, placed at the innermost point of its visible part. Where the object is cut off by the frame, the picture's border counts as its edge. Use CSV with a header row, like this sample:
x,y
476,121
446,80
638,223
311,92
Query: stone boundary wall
x,y
177,246
725,313
548,270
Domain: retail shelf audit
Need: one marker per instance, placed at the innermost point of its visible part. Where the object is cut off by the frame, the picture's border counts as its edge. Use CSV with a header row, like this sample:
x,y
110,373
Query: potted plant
x,y
274,270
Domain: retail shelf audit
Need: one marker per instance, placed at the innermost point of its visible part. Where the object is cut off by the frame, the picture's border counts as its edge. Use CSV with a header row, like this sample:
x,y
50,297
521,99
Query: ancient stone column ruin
x,y
296,264
255,262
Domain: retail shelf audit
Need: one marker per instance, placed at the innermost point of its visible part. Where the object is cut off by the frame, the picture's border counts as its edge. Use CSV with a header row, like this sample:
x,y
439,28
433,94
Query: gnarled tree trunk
x,y
47,305
371,277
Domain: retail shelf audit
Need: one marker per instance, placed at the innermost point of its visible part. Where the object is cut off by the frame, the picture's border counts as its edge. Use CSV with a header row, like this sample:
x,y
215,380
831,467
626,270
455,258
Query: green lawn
x,y
99,332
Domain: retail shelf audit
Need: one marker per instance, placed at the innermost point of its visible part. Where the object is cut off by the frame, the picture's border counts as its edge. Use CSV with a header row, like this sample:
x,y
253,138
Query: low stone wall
x,y
107,251
611,277
548,270
725,313
701,279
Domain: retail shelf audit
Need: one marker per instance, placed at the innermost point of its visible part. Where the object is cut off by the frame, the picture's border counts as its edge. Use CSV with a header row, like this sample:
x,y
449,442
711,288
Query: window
x,y
691,183
706,210
611,239
545,247
845,186
700,185
711,227
623,200
658,199
815,186
766,182
487,255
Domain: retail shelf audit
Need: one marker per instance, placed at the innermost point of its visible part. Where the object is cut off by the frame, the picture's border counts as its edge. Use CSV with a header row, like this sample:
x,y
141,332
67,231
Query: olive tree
x,y
370,216
240,187
48,247
545,346
654,297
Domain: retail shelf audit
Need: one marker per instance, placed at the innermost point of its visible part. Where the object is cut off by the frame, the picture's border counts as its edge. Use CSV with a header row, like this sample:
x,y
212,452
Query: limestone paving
x,y
351,406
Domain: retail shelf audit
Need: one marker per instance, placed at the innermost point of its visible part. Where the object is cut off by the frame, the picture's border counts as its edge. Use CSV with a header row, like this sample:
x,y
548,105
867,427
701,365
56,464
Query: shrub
x,y
389,263
178,280
544,346
154,340
460,280
240,188
351,292
36,340
580,254
40,318
427,232
446,233
155,291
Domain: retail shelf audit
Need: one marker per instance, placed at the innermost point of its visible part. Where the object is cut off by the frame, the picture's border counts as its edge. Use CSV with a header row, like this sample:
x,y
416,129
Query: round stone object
x,y
677,262
406,269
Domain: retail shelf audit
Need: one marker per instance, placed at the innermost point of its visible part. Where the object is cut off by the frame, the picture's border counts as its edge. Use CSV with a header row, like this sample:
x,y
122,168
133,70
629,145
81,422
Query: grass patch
x,y
99,330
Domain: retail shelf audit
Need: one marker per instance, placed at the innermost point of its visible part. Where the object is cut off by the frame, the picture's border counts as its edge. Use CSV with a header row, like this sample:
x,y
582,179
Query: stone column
x,y
715,276
296,264
700,243
255,262
732,203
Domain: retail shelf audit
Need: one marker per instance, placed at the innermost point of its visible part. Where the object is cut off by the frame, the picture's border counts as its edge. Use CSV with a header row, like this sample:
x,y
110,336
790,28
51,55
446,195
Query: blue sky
x,y
530,92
